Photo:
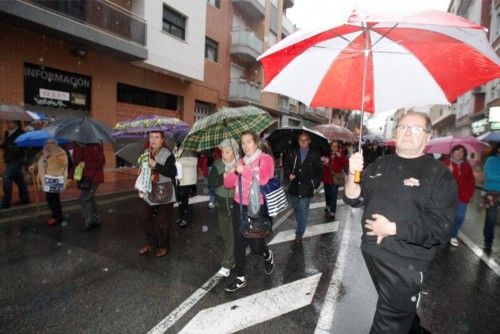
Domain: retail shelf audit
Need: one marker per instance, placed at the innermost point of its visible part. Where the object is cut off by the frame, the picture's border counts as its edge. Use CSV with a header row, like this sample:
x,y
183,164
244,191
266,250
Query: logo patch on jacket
x,y
411,182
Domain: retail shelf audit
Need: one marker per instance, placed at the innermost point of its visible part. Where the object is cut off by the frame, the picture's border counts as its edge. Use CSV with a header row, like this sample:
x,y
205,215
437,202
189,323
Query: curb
x,y
30,211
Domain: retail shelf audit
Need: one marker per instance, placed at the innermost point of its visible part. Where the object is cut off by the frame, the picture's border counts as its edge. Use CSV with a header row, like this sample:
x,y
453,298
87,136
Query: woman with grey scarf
x,y
224,199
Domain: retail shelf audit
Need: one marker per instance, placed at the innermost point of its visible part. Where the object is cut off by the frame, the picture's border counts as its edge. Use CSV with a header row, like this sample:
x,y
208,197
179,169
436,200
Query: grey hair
x,y
428,122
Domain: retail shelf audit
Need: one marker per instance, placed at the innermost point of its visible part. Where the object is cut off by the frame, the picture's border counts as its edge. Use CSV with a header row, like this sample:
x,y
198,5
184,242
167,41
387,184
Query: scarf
x,y
230,165
247,160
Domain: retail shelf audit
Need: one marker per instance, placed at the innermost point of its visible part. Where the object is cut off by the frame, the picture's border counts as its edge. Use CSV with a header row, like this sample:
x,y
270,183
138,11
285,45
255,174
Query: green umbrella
x,y
208,132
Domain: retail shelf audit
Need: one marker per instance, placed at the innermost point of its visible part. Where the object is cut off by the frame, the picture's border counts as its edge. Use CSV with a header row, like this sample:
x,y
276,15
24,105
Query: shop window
x,y
146,97
211,49
174,23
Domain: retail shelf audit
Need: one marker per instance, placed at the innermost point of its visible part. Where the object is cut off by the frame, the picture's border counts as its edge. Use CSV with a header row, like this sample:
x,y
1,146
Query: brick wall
x,y
19,46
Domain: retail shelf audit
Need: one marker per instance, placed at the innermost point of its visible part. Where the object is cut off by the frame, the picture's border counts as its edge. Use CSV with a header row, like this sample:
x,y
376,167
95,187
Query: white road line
x,y
245,312
311,231
325,320
316,205
196,199
183,308
176,314
479,253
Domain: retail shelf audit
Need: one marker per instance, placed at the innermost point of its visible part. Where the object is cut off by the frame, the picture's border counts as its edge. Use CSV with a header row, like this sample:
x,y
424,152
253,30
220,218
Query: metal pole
x,y
366,52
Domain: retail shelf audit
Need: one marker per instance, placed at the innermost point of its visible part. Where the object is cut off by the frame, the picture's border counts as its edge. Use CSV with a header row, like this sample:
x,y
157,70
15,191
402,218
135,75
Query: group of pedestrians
x,y
412,202
52,170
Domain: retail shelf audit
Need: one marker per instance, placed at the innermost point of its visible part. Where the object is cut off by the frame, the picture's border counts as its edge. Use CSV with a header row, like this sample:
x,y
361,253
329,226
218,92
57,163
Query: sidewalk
x,y
118,182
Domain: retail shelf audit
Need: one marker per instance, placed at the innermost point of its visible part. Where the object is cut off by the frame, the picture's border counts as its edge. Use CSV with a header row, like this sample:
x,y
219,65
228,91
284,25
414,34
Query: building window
x,y
203,109
174,23
211,49
215,3
145,97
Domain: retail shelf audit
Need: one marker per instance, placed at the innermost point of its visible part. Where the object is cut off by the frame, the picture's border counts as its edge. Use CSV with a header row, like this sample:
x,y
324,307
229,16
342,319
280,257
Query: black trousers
x,y
258,246
398,290
156,223
54,204
183,199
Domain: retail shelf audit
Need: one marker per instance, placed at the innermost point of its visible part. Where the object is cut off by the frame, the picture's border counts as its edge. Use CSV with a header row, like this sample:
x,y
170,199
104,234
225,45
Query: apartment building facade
x,y
477,111
117,59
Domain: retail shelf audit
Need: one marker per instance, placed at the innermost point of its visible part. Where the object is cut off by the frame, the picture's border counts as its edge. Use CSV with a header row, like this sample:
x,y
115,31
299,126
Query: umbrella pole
x,y
357,175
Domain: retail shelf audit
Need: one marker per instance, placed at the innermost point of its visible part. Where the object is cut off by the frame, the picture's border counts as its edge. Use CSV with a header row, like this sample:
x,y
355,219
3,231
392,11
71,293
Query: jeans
x,y
89,205
300,207
489,226
331,195
14,173
459,218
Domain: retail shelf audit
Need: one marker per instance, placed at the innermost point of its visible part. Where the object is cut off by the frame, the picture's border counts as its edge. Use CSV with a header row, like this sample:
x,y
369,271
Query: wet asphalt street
x,y
59,280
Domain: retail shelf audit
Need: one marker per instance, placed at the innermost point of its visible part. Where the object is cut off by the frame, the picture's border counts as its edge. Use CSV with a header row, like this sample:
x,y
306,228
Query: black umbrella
x,y
286,138
83,130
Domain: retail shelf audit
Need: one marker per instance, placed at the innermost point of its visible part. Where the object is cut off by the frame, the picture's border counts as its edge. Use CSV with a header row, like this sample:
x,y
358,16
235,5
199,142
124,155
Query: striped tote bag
x,y
275,197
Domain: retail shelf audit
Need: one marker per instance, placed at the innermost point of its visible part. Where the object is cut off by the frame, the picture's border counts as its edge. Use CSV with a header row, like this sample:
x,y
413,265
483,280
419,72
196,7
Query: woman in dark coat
x,y
91,158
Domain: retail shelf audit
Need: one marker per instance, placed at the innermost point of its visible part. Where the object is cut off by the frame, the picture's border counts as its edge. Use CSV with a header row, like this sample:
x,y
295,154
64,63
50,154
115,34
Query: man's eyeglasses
x,y
414,129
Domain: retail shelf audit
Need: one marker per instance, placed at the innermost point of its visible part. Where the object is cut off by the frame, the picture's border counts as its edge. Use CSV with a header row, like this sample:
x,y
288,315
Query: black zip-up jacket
x,y
12,153
420,196
308,174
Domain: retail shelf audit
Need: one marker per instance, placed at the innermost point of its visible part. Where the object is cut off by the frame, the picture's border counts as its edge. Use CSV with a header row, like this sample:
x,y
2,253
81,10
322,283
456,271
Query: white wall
x,y
182,58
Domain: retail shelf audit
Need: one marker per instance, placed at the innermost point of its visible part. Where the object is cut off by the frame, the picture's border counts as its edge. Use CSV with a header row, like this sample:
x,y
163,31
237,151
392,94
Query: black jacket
x,y
308,174
420,196
12,153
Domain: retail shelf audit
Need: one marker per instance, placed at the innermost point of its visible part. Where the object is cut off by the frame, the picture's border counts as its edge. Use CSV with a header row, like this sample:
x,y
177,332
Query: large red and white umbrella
x,y
377,63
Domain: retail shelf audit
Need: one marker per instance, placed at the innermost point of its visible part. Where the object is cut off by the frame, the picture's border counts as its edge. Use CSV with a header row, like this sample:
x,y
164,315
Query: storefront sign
x,y
50,87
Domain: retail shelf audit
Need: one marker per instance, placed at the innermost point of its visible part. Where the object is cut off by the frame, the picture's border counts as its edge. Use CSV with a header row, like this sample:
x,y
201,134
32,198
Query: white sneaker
x,y
224,272
454,242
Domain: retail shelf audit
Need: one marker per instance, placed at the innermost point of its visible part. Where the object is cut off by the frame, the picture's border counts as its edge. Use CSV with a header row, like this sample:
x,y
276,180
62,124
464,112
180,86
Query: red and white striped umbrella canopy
x,y
426,58
335,132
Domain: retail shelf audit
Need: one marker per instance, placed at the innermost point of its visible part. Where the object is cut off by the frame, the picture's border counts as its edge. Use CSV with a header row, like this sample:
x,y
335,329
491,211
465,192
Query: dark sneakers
x,y
269,263
235,284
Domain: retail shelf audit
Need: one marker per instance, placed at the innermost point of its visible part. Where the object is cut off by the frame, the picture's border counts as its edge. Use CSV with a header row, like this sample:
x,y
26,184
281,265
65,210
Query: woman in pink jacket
x,y
254,159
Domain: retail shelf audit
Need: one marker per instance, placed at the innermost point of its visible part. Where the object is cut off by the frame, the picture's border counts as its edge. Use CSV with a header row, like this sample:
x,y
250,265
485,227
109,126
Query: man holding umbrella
x,y
303,169
409,207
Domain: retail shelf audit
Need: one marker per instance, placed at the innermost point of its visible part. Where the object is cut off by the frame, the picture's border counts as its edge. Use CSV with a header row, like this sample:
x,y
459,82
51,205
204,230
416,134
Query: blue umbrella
x,y
37,138
37,116
490,136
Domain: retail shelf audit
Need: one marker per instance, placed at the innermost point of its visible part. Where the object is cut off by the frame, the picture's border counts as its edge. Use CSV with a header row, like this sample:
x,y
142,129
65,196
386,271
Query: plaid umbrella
x,y
208,132
336,132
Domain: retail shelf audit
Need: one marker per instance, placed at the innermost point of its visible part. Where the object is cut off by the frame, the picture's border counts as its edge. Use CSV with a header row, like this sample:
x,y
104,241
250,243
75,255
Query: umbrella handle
x,y
357,176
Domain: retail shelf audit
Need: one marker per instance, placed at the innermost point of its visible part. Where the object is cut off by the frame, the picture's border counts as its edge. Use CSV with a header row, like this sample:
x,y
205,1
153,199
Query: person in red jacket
x,y
462,172
334,163
91,157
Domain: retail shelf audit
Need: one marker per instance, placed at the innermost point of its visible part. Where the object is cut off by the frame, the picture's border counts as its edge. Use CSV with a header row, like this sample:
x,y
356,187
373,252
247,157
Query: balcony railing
x,y
288,26
253,8
245,43
99,14
242,90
